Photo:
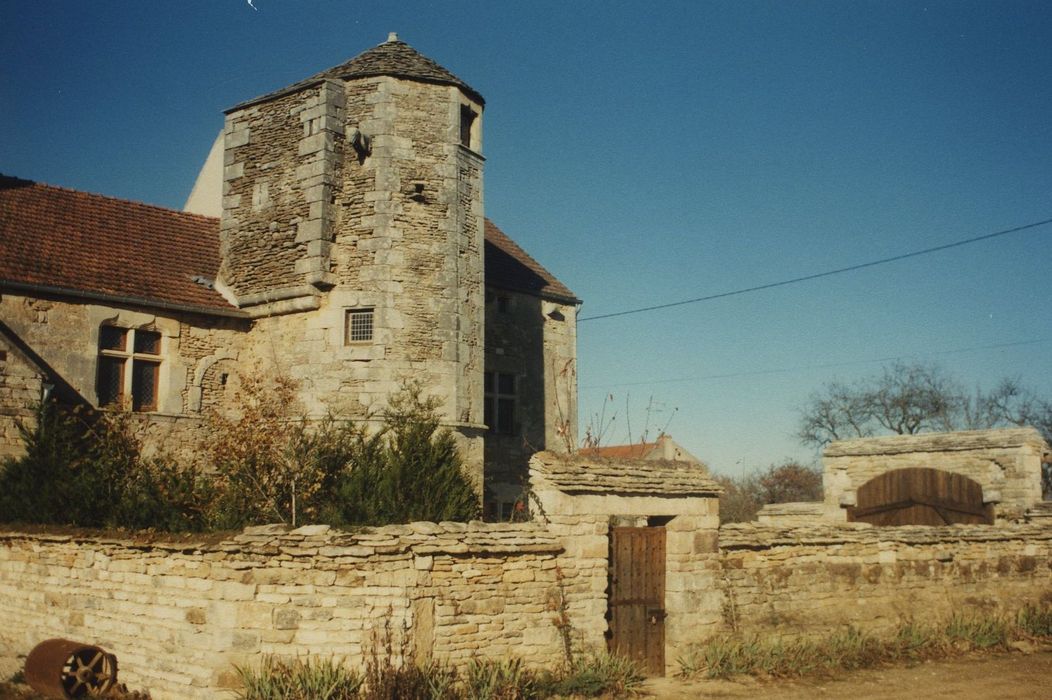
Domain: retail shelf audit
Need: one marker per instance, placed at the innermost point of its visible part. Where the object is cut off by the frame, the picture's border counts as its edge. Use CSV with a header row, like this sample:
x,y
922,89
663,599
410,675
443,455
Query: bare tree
x,y
906,399
790,481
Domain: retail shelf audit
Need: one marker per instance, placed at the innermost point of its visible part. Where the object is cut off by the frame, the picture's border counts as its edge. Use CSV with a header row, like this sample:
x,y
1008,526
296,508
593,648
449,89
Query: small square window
x,y
359,326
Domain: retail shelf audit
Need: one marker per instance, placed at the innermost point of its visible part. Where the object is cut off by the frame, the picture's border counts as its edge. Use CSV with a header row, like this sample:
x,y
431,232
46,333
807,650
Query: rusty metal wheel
x,y
65,669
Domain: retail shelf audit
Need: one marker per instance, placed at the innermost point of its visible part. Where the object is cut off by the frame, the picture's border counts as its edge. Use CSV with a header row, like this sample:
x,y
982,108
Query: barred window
x,y
359,326
128,357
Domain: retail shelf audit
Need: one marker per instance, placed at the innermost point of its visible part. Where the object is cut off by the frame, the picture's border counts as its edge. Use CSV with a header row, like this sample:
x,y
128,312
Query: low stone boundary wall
x,y
180,615
809,579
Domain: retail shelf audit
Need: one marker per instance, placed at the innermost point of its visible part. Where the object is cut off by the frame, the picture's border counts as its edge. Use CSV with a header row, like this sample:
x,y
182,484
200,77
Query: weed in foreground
x,y
500,680
850,649
593,675
978,631
1035,621
278,679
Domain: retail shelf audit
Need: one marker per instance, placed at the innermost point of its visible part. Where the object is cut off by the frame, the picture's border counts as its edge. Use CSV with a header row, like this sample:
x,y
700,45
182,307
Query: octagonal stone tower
x,y
352,230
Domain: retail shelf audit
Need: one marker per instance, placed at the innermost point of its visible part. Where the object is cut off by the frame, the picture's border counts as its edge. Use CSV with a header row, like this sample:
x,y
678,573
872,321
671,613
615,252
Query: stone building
x,y
337,236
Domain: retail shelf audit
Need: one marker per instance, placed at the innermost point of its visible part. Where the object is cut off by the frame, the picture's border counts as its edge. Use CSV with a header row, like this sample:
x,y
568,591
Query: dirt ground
x,y
1011,676
1007,676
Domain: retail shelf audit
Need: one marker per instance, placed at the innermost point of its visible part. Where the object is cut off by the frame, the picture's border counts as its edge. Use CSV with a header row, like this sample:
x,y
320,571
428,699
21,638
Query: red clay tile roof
x,y
638,450
510,267
393,57
63,240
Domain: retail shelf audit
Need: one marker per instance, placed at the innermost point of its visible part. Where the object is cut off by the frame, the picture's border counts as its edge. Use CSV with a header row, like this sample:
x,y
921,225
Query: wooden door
x,y
637,595
920,496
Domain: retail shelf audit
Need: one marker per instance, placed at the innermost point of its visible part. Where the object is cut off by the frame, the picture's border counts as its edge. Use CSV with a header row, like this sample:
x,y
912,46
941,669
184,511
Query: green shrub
x,y
270,464
278,679
84,468
411,471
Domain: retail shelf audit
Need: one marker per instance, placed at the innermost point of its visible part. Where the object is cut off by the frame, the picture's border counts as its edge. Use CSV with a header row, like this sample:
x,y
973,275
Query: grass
x,y
278,679
849,649
594,675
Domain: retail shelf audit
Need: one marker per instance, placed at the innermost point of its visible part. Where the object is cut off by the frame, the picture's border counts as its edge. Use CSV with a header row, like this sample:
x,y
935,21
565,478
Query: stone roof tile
x,y
584,474
936,442
763,536
394,58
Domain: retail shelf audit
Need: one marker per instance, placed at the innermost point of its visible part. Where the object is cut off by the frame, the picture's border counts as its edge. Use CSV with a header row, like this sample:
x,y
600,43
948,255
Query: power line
x,y
818,275
826,365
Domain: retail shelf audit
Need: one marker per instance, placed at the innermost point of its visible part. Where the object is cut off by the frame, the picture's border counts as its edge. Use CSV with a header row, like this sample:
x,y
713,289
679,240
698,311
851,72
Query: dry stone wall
x,y
818,578
180,615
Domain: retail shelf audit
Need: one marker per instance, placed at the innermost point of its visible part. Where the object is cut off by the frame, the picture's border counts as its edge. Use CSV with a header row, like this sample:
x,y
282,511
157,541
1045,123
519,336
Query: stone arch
x,y
209,385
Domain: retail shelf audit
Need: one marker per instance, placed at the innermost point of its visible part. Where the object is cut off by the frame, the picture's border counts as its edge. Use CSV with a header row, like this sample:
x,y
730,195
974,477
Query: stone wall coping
x,y
766,536
581,474
421,538
963,440
794,508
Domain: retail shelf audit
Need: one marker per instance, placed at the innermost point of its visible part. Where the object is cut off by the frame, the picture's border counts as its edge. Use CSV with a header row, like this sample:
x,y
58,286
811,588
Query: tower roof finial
x,y
392,36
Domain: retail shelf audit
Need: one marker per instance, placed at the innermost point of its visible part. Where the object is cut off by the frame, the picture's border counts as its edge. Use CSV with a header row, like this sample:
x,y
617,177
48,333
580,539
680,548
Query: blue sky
x,y
647,153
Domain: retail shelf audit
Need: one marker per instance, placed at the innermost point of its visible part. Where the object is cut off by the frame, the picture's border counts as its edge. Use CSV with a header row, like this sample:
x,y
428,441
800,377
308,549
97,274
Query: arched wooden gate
x,y
920,496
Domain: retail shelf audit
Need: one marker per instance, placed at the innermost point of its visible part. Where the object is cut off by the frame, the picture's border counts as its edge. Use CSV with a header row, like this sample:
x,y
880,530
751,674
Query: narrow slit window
x,y
467,120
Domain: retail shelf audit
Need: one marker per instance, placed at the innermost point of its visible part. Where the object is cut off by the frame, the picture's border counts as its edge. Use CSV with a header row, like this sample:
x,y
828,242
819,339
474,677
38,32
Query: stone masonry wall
x,y
814,579
278,173
20,390
65,336
180,615
357,195
515,346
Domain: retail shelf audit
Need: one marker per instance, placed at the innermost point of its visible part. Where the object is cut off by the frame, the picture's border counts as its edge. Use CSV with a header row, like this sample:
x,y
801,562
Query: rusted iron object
x,y
60,668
